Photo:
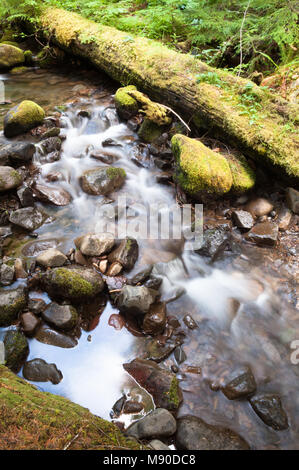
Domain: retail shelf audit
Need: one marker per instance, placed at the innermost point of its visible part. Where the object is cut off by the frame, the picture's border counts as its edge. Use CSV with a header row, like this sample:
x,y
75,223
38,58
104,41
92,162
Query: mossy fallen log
x,y
262,125
34,420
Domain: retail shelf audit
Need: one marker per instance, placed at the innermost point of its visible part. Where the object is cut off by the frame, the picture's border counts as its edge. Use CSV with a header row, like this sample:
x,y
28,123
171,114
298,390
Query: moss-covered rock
x,y
10,56
125,104
154,112
16,349
242,173
199,169
102,181
22,118
34,420
9,178
19,70
28,55
150,131
12,302
74,284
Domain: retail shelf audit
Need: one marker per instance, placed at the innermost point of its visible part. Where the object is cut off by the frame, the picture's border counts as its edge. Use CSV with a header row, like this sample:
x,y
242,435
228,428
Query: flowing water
x,y
242,314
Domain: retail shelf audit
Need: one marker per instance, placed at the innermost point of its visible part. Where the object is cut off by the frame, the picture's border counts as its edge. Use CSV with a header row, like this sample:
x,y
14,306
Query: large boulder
x,y
12,302
9,178
158,423
10,56
16,349
38,370
62,317
199,169
102,181
194,434
22,118
74,284
160,383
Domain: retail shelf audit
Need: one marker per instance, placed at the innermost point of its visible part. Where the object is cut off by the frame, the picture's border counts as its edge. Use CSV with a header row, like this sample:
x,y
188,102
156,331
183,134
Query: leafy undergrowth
x,y
30,419
209,29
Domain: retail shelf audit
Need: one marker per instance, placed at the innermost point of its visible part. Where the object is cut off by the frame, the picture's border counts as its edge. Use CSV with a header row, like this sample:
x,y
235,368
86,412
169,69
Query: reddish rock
x,y
29,323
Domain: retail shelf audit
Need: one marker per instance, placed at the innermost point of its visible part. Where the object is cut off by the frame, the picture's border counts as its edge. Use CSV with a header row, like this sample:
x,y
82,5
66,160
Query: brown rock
x,y
51,194
264,234
29,323
259,207
155,320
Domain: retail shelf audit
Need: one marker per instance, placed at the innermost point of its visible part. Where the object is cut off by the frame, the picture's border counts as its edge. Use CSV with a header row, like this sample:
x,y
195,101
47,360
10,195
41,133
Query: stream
x,y
243,303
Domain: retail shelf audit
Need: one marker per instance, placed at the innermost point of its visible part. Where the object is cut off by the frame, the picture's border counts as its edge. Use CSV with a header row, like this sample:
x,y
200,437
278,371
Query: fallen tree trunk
x,y
34,420
236,110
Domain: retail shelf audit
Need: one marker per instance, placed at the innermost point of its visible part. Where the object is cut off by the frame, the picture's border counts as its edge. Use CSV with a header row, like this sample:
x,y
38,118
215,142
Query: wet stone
x,y
259,207
243,219
16,349
62,317
269,408
29,323
239,384
194,434
95,244
38,370
159,352
126,253
190,322
214,243
2,353
28,218
50,145
51,258
132,407
47,335
52,195
7,274
102,181
292,197
141,275
158,423
180,355
36,306
114,269
136,299
155,319
25,196
264,234
12,302
17,152
9,178
284,219
158,445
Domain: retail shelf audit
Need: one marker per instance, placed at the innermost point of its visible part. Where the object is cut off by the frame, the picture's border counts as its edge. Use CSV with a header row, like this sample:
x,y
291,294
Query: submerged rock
x,y
75,283
200,170
160,383
12,302
194,434
38,370
51,258
155,319
10,56
16,349
17,152
269,408
29,323
102,181
62,317
136,299
126,253
239,384
9,178
22,118
95,244
47,335
158,423
51,194
28,218
264,234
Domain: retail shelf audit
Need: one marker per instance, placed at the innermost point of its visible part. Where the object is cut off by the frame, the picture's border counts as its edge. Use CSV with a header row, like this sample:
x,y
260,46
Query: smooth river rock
x,y
16,349
62,317
52,194
29,323
126,253
195,434
136,299
259,207
158,423
38,370
102,181
95,244
47,335
243,219
155,319
28,218
269,408
51,258
12,302
17,152
9,178
239,384
263,234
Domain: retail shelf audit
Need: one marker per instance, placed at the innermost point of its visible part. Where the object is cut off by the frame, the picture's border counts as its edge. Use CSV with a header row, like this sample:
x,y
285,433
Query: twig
x,y
71,441
241,37
179,117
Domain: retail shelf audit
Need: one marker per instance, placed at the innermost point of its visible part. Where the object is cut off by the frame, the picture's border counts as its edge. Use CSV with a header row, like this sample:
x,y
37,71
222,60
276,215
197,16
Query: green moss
x,y
73,283
243,175
199,168
149,131
31,419
10,56
113,172
125,104
28,57
173,394
18,70
14,304
154,112
16,349
23,117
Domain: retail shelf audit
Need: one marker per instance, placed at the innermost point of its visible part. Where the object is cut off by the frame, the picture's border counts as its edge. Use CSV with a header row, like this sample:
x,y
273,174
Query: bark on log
x,y
212,99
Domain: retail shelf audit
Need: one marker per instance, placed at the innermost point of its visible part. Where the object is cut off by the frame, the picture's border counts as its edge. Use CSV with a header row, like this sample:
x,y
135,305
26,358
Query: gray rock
x,y
28,218
51,144
36,306
259,207
12,302
5,232
264,234
158,445
17,152
292,197
95,244
51,258
62,317
158,423
29,323
16,349
243,219
7,274
46,335
214,242
239,384
102,181
52,195
155,319
136,299
25,196
269,408
179,355
141,275
38,370
194,434
9,178
2,353
126,253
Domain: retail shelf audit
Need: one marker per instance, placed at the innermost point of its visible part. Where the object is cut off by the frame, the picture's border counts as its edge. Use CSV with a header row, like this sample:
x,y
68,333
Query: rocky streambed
x,y
184,348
